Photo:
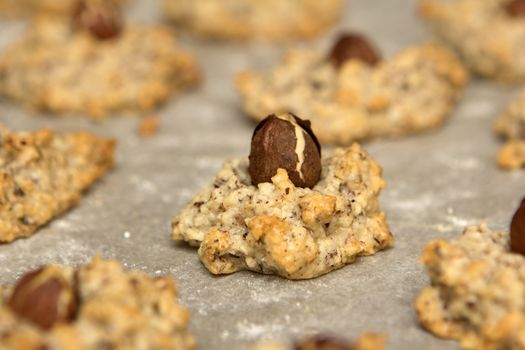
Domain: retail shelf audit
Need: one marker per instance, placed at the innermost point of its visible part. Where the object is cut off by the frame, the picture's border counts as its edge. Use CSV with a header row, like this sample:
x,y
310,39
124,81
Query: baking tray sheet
x,y
437,184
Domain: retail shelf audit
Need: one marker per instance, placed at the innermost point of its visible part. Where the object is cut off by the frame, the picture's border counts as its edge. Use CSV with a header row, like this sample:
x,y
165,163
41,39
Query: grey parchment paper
x,y
438,183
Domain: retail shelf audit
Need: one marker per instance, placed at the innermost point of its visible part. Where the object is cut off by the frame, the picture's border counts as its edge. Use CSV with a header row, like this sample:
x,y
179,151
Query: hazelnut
x,y
103,20
515,8
517,230
44,297
353,46
286,142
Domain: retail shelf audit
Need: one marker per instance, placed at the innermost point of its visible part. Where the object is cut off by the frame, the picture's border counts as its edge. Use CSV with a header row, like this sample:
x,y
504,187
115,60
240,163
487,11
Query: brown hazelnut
x,y
322,343
517,230
102,20
43,297
353,46
286,142
515,8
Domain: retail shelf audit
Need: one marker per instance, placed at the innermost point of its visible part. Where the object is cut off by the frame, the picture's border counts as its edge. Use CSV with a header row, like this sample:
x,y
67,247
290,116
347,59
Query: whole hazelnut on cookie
x,y
517,230
515,8
102,20
285,141
44,298
353,46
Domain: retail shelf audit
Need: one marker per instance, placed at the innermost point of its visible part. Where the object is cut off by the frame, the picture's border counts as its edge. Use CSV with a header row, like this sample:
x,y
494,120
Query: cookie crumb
x,y
512,155
148,126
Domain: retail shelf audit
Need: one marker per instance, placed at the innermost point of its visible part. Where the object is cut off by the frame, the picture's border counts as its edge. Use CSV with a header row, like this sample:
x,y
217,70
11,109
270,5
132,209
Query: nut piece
x,y
103,20
515,8
351,46
320,342
517,230
286,142
43,297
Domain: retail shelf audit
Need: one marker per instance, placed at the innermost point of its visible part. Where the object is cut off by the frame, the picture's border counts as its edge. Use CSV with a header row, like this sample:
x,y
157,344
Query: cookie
x,y
510,125
477,290
486,34
271,20
368,341
278,227
58,67
95,306
34,7
409,93
44,174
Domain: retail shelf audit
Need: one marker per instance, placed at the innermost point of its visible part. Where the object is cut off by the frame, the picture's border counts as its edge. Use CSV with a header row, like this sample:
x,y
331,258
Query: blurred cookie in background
x,y
18,8
94,63
270,20
487,35
350,93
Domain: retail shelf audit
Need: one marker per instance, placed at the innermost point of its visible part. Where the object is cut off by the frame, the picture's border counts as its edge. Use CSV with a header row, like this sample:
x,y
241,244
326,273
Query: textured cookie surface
x,y
42,174
27,7
115,309
55,68
487,38
277,228
477,291
277,20
510,125
411,92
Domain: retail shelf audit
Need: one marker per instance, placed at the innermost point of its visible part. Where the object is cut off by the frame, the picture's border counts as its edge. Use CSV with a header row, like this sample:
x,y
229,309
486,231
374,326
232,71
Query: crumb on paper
x,y
148,126
441,228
